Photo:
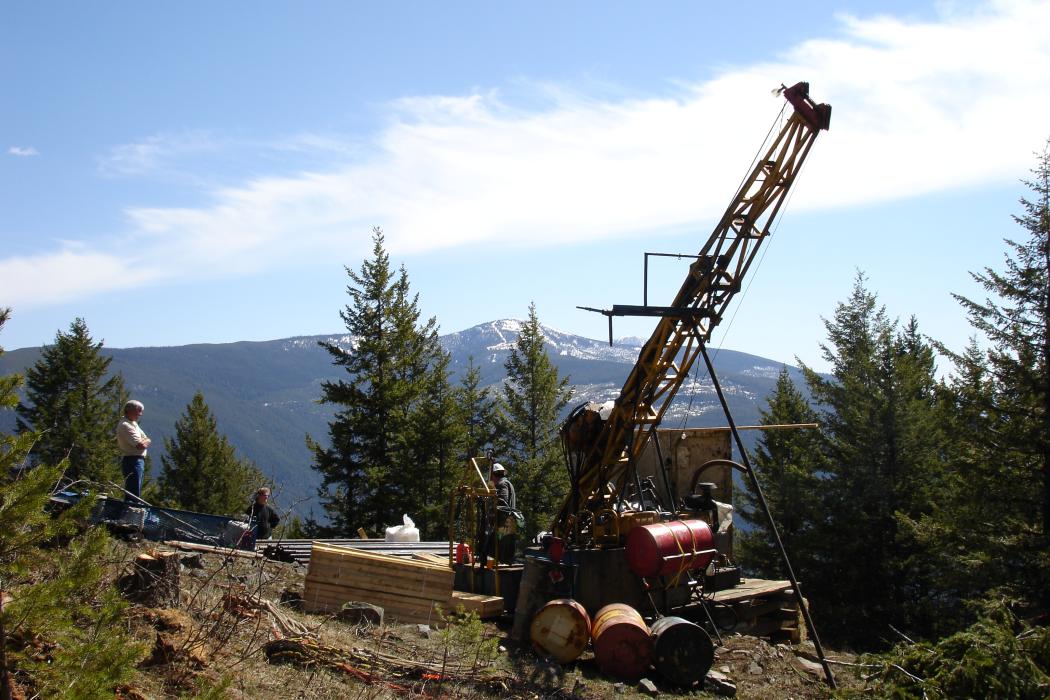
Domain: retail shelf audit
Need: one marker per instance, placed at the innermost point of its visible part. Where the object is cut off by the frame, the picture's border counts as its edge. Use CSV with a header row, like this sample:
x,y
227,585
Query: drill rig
x,y
609,511
602,450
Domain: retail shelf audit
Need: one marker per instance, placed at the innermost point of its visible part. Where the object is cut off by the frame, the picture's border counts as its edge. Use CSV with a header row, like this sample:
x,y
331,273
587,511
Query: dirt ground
x,y
231,612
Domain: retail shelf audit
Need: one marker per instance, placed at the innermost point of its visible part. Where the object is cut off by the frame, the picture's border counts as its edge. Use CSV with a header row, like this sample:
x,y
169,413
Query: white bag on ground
x,y
408,532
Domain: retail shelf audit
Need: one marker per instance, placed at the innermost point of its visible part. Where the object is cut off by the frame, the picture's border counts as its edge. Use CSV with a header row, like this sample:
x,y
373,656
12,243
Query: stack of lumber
x,y
406,590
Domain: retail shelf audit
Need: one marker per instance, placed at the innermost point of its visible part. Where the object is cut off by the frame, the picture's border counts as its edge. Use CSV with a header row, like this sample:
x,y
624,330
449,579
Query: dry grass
x,y
213,646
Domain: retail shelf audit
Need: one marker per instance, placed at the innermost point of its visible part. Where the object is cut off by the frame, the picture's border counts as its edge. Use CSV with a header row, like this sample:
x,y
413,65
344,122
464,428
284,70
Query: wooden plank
x,y
330,600
340,570
360,554
439,594
371,595
756,608
485,606
413,568
432,558
419,588
226,551
751,588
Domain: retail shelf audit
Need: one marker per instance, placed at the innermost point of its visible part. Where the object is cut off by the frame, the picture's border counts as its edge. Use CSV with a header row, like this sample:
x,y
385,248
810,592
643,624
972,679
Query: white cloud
x,y
919,107
27,281
23,151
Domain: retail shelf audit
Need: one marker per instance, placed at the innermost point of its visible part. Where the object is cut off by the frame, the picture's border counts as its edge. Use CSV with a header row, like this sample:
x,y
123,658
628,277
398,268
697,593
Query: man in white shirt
x,y
133,444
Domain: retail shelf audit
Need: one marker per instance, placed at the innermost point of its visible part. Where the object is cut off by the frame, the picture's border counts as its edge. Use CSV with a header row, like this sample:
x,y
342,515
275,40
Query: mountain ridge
x,y
264,394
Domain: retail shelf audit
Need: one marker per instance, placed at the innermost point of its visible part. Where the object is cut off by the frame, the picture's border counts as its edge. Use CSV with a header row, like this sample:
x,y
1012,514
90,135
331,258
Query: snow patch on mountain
x,y
764,371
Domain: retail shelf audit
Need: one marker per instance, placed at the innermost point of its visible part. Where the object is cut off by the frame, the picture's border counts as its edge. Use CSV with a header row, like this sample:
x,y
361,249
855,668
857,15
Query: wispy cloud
x,y
919,107
23,151
157,152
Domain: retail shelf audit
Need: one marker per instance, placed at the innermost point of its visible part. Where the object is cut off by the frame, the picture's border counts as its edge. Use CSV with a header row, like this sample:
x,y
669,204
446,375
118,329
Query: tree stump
x,y
154,581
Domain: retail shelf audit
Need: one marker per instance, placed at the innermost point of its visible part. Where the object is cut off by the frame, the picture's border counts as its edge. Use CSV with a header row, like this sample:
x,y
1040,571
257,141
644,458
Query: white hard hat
x,y
497,467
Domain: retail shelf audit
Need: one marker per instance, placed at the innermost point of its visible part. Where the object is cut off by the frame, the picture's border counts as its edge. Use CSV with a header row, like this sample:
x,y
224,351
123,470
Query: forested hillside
x,y
264,395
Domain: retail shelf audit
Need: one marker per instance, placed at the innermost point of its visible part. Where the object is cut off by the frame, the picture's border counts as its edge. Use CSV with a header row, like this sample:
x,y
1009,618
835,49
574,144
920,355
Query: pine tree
x,y
997,515
439,430
533,398
58,596
967,537
480,411
368,469
878,411
788,463
1017,323
201,470
74,406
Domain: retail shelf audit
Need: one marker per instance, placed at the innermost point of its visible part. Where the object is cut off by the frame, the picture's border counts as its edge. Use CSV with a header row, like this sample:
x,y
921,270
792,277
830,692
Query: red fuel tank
x,y
667,549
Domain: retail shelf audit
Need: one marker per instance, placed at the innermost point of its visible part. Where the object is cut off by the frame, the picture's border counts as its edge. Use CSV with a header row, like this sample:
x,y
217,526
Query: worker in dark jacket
x,y
506,512
265,517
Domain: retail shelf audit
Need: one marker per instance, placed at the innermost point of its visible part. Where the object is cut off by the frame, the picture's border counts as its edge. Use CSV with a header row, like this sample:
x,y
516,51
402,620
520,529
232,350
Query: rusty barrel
x,y
562,629
682,650
535,590
667,549
623,645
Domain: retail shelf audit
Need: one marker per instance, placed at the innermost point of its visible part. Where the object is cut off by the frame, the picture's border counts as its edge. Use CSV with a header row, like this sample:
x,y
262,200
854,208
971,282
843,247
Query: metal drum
x,y
667,549
562,629
682,650
623,646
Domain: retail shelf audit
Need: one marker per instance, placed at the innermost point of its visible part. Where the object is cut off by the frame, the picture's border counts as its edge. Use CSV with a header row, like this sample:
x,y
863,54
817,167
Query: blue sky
x,y
202,172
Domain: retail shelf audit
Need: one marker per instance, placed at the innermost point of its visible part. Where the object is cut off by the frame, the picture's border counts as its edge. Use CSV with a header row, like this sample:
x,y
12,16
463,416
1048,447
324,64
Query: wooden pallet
x,y
765,608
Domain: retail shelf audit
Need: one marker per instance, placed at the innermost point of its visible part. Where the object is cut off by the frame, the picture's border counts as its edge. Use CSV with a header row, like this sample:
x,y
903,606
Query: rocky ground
x,y
236,633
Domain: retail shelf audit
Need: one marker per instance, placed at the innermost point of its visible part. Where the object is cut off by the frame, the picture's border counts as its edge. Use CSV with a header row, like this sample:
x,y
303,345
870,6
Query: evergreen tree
x,y
56,598
967,538
480,411
533,398
1017,324
878,411
74,407
996,515
439,430
368,470
788,463
201,469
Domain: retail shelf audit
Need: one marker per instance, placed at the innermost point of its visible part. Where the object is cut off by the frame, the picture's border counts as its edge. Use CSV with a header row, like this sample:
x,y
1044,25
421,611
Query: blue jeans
x,y
133,469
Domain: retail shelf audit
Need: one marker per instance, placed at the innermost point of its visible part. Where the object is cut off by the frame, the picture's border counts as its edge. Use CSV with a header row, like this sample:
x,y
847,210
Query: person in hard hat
x,y
506,513
505,495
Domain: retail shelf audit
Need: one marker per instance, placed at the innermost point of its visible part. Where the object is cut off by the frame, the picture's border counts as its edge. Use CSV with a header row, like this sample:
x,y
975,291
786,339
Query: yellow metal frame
x,y
470,494
668,356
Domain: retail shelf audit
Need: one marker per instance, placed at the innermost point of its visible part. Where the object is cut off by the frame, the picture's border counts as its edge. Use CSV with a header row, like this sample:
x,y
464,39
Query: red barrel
x,y
666,549
682,650
561,628
623,646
